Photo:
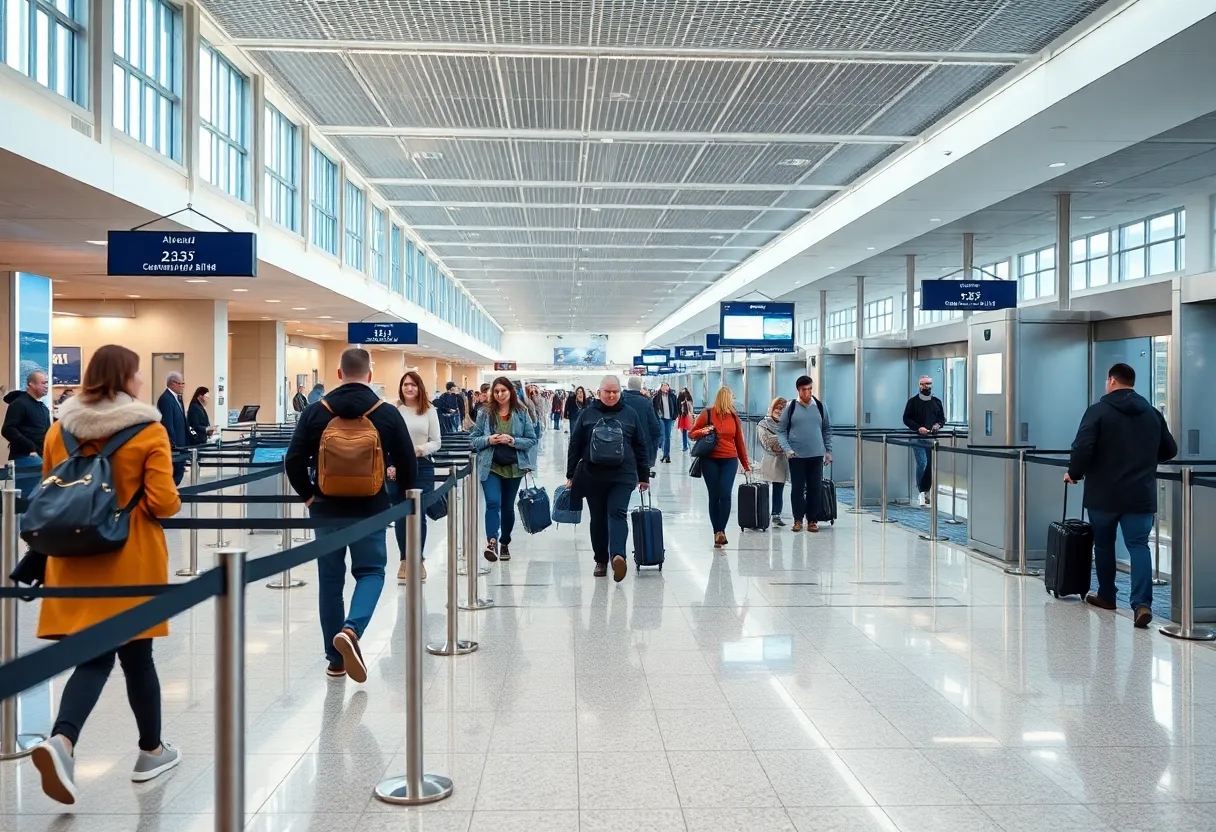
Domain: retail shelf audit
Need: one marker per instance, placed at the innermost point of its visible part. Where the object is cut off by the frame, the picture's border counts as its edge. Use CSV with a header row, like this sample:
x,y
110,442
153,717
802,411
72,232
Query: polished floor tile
x,y
858,680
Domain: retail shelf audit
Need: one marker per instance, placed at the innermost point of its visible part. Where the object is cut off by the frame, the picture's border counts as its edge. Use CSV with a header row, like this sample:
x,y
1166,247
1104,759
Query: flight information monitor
x,y
752,324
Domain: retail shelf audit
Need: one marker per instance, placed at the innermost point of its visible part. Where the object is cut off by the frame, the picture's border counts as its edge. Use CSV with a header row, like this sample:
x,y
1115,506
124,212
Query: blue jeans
x,y
665,437
924,479
557,419
425,484
500,506
367,559
778,499
608,513
1136,528
719,476
28,474
684,435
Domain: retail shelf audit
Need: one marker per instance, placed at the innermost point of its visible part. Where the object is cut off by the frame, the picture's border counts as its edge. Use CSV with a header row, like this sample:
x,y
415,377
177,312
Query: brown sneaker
x,y
619,568
401,573
719,540
347,643
491,551
797,526
1096,600
424,571
601,570
812,527
1144,617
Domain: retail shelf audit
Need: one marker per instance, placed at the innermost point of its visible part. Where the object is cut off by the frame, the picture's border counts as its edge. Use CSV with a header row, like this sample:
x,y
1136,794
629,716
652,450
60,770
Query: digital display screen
x,y
655,358
747,324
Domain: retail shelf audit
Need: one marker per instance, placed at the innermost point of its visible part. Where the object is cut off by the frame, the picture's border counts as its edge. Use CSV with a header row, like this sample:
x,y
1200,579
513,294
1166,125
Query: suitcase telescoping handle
x,y
646,499
1065,517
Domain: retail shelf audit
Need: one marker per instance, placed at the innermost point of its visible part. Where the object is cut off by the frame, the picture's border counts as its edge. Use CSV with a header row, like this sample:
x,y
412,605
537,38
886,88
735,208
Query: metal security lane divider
x,y
192,570
285,581
1186,629
471,542
13,744
1021,569
453,645
882,509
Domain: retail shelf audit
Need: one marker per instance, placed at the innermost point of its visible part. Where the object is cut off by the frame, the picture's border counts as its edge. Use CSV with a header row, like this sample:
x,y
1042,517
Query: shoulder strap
x,y
819,405
325,404
121,438
71,443
373,407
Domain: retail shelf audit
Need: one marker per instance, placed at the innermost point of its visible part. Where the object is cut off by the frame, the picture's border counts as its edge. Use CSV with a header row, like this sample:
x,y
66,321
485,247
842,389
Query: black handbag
x,y
505,455
704,446
694,470
438,509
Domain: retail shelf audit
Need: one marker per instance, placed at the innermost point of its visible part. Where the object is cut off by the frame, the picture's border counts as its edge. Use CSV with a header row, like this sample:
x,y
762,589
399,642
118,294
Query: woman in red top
x,y
720,467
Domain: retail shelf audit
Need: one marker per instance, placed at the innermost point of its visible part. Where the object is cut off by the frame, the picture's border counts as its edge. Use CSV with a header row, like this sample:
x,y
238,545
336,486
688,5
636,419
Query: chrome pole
x,y
1186,581
1020,570
219,543
857,509
13,745
1157,579
933,535
230,694
472,543
416,786
285,581
192,570
453,646
954,521
882,510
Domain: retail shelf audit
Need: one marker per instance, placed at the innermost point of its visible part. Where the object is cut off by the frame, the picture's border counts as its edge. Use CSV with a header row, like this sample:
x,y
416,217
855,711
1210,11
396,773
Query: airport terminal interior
x,y
1005,206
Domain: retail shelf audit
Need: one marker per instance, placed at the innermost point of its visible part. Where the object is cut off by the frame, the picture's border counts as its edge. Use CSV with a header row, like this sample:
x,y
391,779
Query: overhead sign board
x,y
182,253
656,358
769,350
709,356
397,332
747,324
977,295
505,366
712,341
693,353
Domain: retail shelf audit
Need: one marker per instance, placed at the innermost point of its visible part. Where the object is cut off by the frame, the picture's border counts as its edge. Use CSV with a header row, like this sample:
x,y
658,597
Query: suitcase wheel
x,y
660,567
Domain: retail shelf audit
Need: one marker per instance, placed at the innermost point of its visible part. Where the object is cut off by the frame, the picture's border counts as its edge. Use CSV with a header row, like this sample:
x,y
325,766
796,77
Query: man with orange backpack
x,y
345,439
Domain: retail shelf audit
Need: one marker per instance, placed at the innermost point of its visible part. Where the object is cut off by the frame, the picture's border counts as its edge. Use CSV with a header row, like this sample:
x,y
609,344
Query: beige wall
x,y
258,347
304,355
188,327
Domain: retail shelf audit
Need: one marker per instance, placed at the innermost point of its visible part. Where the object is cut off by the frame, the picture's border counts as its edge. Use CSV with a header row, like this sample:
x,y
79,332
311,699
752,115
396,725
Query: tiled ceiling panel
x,y
664,95
323,85
434,90
544,93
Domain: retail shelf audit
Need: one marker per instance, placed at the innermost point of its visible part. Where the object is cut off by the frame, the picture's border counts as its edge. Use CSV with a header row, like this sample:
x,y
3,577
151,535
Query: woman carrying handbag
x,y
720,465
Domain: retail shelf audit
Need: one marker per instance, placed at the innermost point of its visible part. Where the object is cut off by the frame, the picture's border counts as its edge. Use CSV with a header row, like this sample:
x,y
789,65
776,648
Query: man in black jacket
x,y
924,414
368,556
450,405
1121,441
647,420
25,425
607,487
173,417
666,411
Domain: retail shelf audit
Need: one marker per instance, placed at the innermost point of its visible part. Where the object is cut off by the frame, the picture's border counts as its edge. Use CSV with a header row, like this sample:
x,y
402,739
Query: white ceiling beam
x,y
593,208
571,230
605,136
584,246
633,186
654,53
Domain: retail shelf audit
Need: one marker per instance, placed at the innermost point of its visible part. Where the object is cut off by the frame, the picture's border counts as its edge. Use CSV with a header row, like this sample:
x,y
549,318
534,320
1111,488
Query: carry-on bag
x,y
533,508
1070,555
646,523
753,502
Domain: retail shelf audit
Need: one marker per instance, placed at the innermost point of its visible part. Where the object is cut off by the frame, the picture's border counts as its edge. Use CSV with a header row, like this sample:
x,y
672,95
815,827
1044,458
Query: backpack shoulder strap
x,y
819,405
370,409
325,404
71,443
121,438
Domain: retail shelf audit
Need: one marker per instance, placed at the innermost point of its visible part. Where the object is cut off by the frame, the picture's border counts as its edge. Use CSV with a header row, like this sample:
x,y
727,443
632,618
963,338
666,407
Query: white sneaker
x,y
922,499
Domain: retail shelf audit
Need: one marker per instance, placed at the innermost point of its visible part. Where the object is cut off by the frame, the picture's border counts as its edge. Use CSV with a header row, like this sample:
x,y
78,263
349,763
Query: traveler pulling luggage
x,y
646,522
753,502
1070,555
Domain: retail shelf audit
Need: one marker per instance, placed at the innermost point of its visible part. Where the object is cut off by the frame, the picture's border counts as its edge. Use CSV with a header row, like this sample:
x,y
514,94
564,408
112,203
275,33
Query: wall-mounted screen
x,y
592,356
989,377
756,324
655,358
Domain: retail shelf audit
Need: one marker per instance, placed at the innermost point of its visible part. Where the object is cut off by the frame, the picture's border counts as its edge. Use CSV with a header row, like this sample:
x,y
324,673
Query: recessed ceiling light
x,y
717,237
869,248
274,301
935,219
96,242
595,210
428,155
1058,165
299,330
265,317
240,290
1100,182
793,163
618,95
1088,217
58,295
299,309
453,208
606,140
325,317
132,296
196,280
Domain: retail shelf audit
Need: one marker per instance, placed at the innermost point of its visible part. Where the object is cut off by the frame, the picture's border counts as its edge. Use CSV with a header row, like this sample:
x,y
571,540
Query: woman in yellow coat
x,y
108,404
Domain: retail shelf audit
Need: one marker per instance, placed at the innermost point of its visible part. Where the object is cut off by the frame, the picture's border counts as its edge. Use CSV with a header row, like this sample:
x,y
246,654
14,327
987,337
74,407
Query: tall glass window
x,y
282,169
148,74
410,258
842,324
224,134
375,236
46,40
934,316
395,260
1037,273
356,223
810,331
420,263
432,286
879,316
323,179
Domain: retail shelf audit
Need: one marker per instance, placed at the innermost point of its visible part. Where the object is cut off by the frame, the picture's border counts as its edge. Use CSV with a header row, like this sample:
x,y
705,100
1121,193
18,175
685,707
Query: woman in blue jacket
x,y
503,438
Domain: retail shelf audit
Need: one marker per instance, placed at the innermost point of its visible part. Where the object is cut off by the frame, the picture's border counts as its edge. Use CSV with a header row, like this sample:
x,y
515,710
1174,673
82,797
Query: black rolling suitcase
x,y
646,522
1070,555
753,503
827,501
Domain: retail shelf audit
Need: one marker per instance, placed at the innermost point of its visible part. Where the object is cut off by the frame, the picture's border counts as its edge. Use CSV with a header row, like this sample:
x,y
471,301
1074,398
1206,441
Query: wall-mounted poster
x,y
590,356
65,366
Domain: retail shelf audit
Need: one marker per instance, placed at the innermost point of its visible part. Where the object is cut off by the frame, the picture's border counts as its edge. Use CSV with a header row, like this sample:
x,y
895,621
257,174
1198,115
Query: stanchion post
x,y
1020,570
453,646
472,543
1157,579
285,581
230,694
13,744
882,510
932,535
857,509
192,570
416,786
1186,629
953,520
219,543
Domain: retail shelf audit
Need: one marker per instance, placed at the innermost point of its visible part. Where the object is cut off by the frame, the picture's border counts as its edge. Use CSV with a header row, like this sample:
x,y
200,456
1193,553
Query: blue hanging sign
x,y
693,353
397,332
656,358
182,254
709,356
712,341
978,295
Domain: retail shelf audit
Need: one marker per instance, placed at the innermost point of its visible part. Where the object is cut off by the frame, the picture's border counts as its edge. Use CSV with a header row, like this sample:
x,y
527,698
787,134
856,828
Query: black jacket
x,y
197,423
25,424
657,401
1121,441
350,401
635,468
573,408
450,403
919,413
298,402
652,432
173,417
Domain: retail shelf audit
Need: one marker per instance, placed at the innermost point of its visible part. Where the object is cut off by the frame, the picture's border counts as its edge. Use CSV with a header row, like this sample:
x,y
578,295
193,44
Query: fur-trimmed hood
x,y
104,418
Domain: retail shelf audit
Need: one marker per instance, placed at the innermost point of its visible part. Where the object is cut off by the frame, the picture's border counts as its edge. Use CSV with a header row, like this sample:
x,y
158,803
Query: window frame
x,y
240,140
127,72
323,225
281,137
25,13
876,313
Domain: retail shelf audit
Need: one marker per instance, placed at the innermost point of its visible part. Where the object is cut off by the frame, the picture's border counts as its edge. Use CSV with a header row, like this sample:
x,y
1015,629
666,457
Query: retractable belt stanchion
x,y
192,570
416,786
932,535
471,542
230,694
882,511
1186,629
285,581
453,646
1020,570
1157,579
856,509
219,543
13,744
953,519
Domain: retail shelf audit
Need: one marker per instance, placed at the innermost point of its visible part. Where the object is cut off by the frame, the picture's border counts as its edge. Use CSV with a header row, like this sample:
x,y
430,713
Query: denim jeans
x,y
924,477
806,480
368,557
684,435
719,476
778,498
665,437
608,513
500,506
425,484
28,474
1136,528
557,419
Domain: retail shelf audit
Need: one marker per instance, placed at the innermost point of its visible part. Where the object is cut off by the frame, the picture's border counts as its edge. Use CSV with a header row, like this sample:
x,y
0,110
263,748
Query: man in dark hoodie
x,y
25,425
924,414
648,422
352,399
1121,441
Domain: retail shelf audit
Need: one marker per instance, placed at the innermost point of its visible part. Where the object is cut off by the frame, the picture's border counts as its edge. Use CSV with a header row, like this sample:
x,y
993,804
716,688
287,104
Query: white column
x,y
280,371
305,200
191,121
101,68
220,393
257,155
1200,258
910,290
1064,251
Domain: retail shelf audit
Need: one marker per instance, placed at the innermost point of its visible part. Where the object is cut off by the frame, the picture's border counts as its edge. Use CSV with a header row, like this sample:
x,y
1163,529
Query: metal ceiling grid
x,y
637,161
377,157
548,161
544,93
465,159
323,85
625,196
664,95
559,196
433,90
543,217
935,94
